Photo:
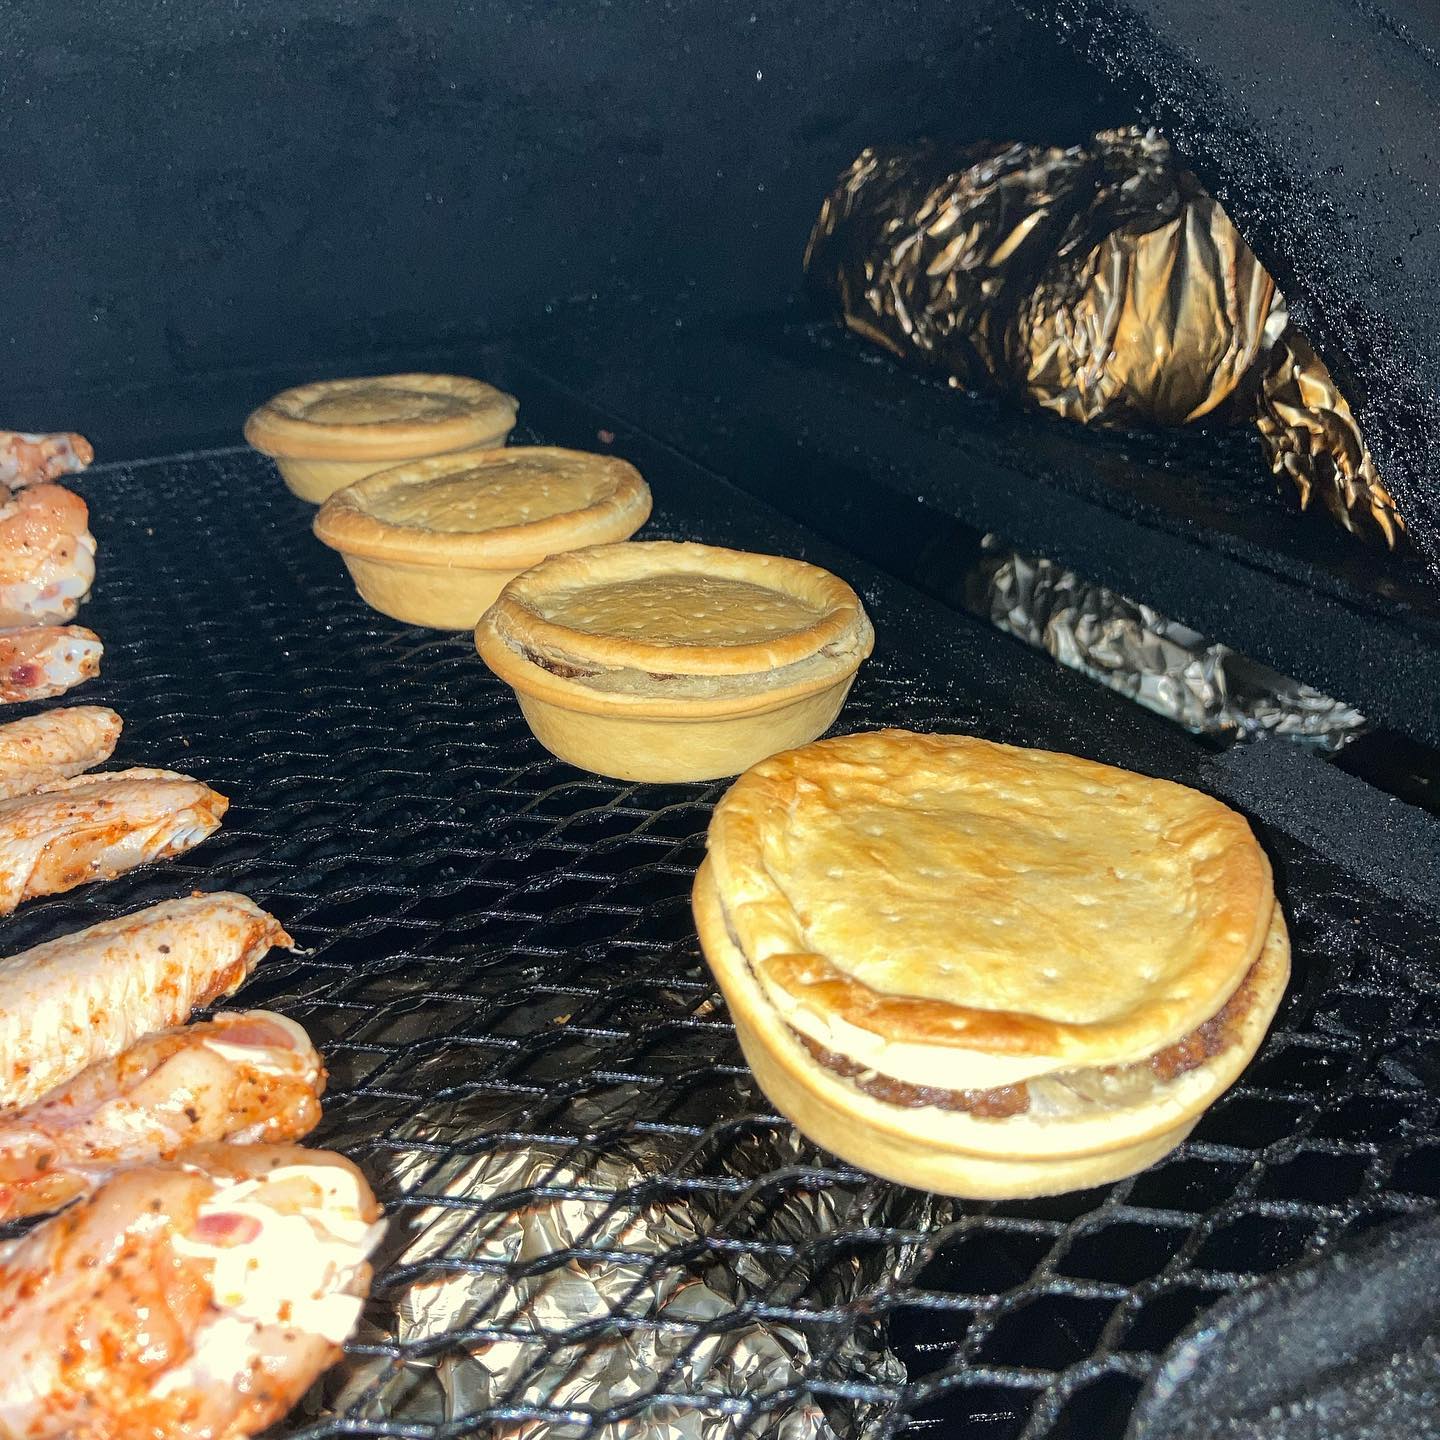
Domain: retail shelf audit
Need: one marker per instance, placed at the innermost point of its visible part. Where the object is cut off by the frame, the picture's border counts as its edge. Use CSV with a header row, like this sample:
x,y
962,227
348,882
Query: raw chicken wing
x,y
96,827
245,1076
47,556
33,459
88,996
39,662
191,1301
54,746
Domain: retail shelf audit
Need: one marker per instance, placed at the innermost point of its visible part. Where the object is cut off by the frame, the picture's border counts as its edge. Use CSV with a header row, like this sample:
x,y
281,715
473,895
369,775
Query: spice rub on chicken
x,y
244,1077
89,996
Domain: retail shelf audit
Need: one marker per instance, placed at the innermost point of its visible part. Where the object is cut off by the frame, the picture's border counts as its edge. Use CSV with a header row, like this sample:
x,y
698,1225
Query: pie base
x,y
918,1163
429,595
317,480
632,747
956,1154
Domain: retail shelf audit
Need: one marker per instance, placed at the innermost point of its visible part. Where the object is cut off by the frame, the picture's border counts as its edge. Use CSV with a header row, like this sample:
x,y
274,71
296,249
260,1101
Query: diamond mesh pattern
x,y
498,962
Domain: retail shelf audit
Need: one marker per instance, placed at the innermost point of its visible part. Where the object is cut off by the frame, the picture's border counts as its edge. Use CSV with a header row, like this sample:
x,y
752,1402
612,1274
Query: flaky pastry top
x,y
489,509
381,417
946,891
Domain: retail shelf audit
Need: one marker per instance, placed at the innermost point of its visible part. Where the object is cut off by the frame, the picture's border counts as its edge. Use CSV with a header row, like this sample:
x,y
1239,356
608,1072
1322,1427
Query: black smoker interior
x,y
603,207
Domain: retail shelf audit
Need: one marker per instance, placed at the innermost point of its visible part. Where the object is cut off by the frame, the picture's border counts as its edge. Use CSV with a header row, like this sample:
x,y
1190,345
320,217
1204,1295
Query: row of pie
x,y
974,968
644,660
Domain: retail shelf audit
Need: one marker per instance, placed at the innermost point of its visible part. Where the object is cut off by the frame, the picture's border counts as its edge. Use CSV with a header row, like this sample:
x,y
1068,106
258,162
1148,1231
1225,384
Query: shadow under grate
x,y
596,1221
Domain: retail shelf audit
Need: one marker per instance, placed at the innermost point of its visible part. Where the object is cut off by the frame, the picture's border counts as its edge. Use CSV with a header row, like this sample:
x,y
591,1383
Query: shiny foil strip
x,y
1158,663
1098,282
1311,436
560,1277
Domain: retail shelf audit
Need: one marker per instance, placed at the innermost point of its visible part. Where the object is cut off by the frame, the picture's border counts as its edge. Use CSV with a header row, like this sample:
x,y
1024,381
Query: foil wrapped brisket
x,y
1099,282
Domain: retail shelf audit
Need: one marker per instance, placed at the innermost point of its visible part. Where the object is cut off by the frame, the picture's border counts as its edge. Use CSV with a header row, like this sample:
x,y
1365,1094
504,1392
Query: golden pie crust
x,y
978,857
330,433
435,541
895,916
661,660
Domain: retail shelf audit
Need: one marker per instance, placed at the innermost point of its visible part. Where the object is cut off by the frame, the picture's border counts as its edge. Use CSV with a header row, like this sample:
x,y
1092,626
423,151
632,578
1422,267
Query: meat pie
x,y
984,970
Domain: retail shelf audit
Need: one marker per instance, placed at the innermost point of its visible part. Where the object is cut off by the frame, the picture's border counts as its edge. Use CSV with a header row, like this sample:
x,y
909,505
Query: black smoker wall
x,y
242,184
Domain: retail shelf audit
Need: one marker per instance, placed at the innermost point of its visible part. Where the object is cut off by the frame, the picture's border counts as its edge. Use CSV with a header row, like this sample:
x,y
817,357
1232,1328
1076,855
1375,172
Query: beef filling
x,y
556,667
567,671
993,1104
1188,1053
1207,1040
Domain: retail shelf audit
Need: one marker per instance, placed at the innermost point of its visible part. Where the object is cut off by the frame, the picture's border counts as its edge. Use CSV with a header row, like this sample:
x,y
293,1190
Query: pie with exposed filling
x,y
660,660
986,970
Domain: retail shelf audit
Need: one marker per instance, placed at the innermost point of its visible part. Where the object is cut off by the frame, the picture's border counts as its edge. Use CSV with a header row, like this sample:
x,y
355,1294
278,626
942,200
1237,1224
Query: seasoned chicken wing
x,y
195,1299
88,996
96,827
33,459
245,1076
47,555
38,662
42,749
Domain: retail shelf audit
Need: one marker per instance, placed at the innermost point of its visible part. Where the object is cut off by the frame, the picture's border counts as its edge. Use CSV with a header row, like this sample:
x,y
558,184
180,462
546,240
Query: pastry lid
x,y
678,608
490,509
944,891
381,417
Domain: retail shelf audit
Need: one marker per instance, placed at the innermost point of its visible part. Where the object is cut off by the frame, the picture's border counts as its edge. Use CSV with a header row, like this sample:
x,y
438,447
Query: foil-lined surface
x,y
562,1282
1098,282
1153,660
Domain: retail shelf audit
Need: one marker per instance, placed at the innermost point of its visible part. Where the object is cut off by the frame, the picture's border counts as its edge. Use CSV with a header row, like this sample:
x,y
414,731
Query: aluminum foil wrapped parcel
x,y
1099,282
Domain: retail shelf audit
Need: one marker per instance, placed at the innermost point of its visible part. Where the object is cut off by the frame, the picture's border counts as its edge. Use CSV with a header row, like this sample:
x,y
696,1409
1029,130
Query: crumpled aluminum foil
x,y
1311,436
1155,661
1099,282
557,1281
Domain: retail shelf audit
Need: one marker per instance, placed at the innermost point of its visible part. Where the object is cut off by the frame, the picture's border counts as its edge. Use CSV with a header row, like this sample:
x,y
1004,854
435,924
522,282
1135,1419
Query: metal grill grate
x,y
527,1056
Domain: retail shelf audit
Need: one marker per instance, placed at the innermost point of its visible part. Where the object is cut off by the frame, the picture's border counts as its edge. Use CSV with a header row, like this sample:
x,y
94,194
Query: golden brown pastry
x,y
984,970
434,542
669,661
331,433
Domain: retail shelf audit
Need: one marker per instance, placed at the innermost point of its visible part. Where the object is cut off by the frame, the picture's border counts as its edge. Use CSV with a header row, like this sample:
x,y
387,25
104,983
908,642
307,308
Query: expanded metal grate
x,y
597,1222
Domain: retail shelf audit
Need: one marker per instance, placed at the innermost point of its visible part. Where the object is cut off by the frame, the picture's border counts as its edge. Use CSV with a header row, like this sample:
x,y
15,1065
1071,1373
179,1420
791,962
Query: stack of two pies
x,y
983,970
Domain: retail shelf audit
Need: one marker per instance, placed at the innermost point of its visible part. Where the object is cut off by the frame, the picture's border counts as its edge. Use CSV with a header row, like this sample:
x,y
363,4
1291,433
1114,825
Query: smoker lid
x,y
1315,128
